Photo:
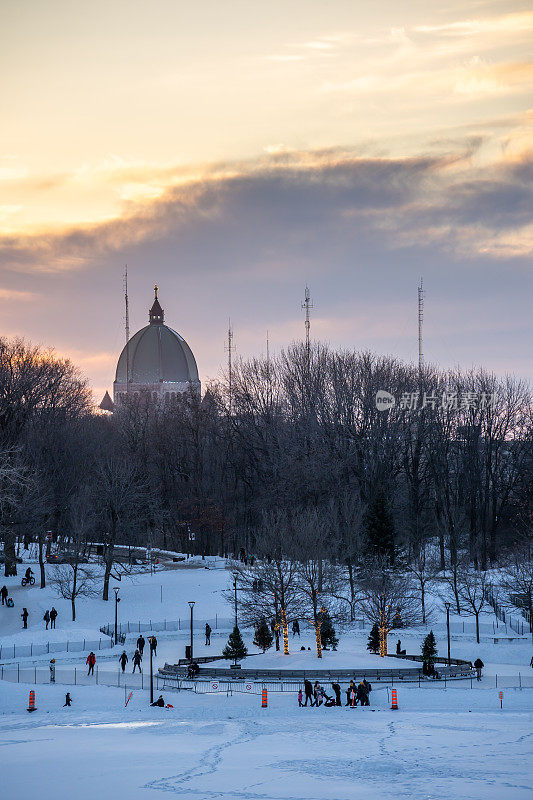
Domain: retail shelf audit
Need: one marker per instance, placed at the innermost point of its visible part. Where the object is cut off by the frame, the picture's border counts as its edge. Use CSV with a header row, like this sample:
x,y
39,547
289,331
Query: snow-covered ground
x,y
441,745
451,743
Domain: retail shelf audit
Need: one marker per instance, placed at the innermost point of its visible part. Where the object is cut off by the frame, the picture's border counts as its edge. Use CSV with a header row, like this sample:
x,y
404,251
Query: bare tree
x,y
13,481
119,493
473,591
517,582
269,588
72,581
316,576
387,599
424,568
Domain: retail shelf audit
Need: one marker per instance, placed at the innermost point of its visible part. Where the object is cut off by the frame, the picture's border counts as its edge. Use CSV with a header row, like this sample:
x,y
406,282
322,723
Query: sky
x,y
234,152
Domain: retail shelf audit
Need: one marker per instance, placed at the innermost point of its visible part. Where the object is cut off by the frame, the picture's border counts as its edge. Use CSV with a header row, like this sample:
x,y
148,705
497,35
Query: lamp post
x,y
448,629
235,578
191,606
151,671
117,601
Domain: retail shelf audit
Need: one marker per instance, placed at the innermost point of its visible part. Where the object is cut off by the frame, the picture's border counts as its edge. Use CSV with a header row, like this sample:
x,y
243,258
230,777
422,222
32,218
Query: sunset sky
x,y
234,151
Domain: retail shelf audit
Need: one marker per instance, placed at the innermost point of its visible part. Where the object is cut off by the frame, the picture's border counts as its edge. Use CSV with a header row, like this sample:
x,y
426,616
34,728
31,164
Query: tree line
x,y
288,458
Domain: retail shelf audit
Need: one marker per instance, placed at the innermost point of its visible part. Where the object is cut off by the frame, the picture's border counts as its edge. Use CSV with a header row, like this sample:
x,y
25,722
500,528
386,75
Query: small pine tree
x,y
263,636
327,631
373,639
429,648
235,648
380,527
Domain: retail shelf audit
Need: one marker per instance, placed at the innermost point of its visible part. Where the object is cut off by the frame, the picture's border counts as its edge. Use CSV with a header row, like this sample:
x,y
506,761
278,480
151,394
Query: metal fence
x,y
77,676
516,623
124,628
12,651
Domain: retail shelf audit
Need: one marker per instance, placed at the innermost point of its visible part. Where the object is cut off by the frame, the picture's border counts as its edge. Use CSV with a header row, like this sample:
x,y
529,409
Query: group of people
x,y
246,558
138,655
49,617
316,694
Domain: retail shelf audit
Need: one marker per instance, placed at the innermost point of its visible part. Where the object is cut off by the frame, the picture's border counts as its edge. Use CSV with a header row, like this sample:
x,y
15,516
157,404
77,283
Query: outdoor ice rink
x,y
439,745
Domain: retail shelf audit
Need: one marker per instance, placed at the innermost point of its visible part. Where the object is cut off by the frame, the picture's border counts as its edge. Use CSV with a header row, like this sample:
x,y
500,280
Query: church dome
x,y
158,358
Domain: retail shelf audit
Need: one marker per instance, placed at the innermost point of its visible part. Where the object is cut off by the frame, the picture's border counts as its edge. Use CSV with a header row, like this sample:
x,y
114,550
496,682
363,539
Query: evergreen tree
x,y
327,631
373,639
263,636
235,648
379,528
429,648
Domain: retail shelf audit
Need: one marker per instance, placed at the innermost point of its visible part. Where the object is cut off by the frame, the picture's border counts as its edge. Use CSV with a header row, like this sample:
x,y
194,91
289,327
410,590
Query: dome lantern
x,y
156,314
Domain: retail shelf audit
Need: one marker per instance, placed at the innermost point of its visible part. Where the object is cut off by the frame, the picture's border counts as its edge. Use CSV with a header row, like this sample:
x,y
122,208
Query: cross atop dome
x,y
156,315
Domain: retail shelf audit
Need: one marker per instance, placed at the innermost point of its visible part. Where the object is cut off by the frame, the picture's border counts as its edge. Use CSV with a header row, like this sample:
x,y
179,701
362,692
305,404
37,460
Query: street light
x,y
448,629
235,578
191,605
117,601
151,670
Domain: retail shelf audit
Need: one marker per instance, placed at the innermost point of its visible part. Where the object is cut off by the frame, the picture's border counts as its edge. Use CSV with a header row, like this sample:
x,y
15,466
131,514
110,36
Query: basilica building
x,y
156,363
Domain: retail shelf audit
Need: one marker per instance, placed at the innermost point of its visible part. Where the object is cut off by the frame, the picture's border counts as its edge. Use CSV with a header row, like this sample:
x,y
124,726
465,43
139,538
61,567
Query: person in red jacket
x,y
91,661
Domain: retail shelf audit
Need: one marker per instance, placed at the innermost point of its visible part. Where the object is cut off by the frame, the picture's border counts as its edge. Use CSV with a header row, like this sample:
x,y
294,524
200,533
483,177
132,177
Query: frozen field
x,y
442,744
448,745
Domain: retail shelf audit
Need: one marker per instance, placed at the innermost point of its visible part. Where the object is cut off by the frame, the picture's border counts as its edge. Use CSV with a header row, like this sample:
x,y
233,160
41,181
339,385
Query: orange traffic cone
x,y
264,702
394,705
31,705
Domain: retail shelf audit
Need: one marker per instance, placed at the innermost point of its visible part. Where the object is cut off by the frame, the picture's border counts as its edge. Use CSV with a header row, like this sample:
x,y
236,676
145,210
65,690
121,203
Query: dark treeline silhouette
x,y
297,462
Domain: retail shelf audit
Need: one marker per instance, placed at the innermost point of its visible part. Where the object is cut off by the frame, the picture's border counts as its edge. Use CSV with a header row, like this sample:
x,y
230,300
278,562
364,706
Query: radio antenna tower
x,y
420,322
230,348
126,300
307,305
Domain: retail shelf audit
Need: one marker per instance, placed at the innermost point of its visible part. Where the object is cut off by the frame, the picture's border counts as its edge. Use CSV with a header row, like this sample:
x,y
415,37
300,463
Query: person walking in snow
x,y
295,628
140,644
46,618
25,616
207,633
308,689
300,698
337,689
478,664
52,670
153,645
123,660
531,662
137,658
53,617
4,593
91,661
68,700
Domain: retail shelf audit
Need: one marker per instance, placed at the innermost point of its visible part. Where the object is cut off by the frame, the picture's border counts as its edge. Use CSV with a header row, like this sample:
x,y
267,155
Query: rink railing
x,y
77,676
